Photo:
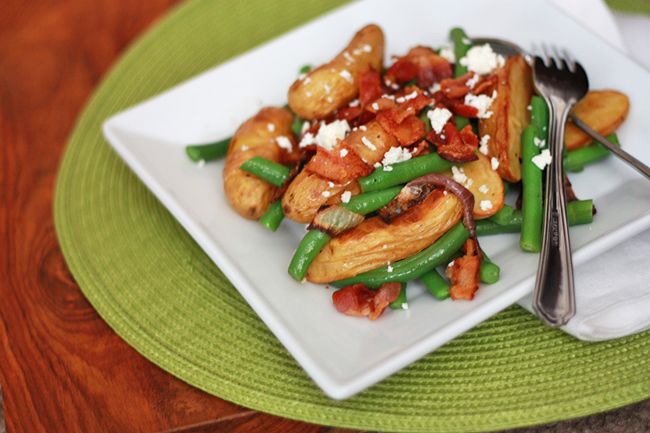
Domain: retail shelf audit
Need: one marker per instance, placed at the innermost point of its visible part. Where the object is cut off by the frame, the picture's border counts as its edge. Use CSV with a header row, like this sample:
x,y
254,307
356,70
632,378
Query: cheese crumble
x,y
438,117
543,159
284,142
369,144
483,148
494,163
482,103
448,54
346,196
482,59
395,155
485,205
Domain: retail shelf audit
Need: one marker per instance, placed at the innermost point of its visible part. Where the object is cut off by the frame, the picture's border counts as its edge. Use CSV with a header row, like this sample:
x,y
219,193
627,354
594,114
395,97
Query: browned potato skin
x,y
308,97
602,110
304,196
362,248
481,173
510,117
247,194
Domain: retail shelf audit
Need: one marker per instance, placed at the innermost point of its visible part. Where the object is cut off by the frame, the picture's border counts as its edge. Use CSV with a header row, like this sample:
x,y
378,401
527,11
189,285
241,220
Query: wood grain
x,y
61,368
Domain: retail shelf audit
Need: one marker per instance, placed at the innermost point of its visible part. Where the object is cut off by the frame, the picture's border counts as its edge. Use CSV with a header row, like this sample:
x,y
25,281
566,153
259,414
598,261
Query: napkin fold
x,y
613,289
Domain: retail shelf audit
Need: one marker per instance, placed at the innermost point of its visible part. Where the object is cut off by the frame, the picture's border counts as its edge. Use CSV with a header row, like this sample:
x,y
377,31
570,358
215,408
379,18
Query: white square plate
x,y
345,355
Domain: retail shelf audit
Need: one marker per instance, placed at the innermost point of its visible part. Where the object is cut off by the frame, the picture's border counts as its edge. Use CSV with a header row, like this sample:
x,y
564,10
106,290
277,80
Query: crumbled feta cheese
x,y
445,192
395,155
201,163
270,127
469,182
400,100
394,86
434,88
388,168
387,96
448,54
482,103
343,153
363,128
367,48
346,75
483,148
375,106
330,184
483,189
244,148
539,142
354,103
458,174
348,57
482,59
284,143
472,81
543,159
305,127
326,193
405,306
438,117
494,163
307,140
377,164
451,263
369,144
485,205
389,268
384,246
346,196
529,107
329,134
411,95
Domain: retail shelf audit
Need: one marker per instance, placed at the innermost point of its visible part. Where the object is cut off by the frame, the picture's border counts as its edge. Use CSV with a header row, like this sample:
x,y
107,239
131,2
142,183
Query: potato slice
x,y
603,110
249,195
335,83
510,117
374,243
309,191
485,184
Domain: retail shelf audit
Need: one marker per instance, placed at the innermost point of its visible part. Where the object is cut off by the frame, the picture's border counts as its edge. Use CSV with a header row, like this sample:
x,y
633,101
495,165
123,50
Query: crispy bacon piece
x,y
455,146
348,113
339,169
422,64
457,106
454,88
358,300
421,148
464,272
370,87
407,132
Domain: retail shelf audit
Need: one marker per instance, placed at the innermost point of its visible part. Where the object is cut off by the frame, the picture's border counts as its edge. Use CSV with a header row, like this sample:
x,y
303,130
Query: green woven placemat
x,y
152,284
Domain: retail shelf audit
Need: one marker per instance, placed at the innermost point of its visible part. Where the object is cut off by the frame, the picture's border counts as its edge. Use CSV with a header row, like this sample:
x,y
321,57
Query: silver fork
x,y
562,83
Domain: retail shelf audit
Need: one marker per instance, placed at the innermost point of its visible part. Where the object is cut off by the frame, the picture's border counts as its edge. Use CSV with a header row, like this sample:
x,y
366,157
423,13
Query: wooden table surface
x,y
61,368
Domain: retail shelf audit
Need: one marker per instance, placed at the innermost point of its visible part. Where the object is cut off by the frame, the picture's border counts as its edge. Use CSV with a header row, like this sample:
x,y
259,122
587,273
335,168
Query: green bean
x,y
437,285
578,212
539,116
489,272
304,69
400,302
273,216
424,118
310,246
461,46
371,201
488,227
531,204
296,126
403,172
460,122
504,215
269,171
575,160
416,265
209,151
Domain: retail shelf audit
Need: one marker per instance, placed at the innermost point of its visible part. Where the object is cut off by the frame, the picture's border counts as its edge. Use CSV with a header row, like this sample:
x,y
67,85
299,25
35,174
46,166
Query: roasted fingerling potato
x,y
375,243
332,85
510,117
247,194
602,110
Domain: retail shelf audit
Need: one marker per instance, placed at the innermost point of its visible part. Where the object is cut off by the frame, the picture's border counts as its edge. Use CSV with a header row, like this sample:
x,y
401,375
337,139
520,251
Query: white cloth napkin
x,y
613,289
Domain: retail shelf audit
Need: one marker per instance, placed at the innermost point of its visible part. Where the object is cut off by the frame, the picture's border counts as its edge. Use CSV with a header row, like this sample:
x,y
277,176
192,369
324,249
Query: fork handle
x,y
554,295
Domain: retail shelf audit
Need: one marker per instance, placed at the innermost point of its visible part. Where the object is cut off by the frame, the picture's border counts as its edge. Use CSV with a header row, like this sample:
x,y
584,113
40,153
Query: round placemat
x,y
156,288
